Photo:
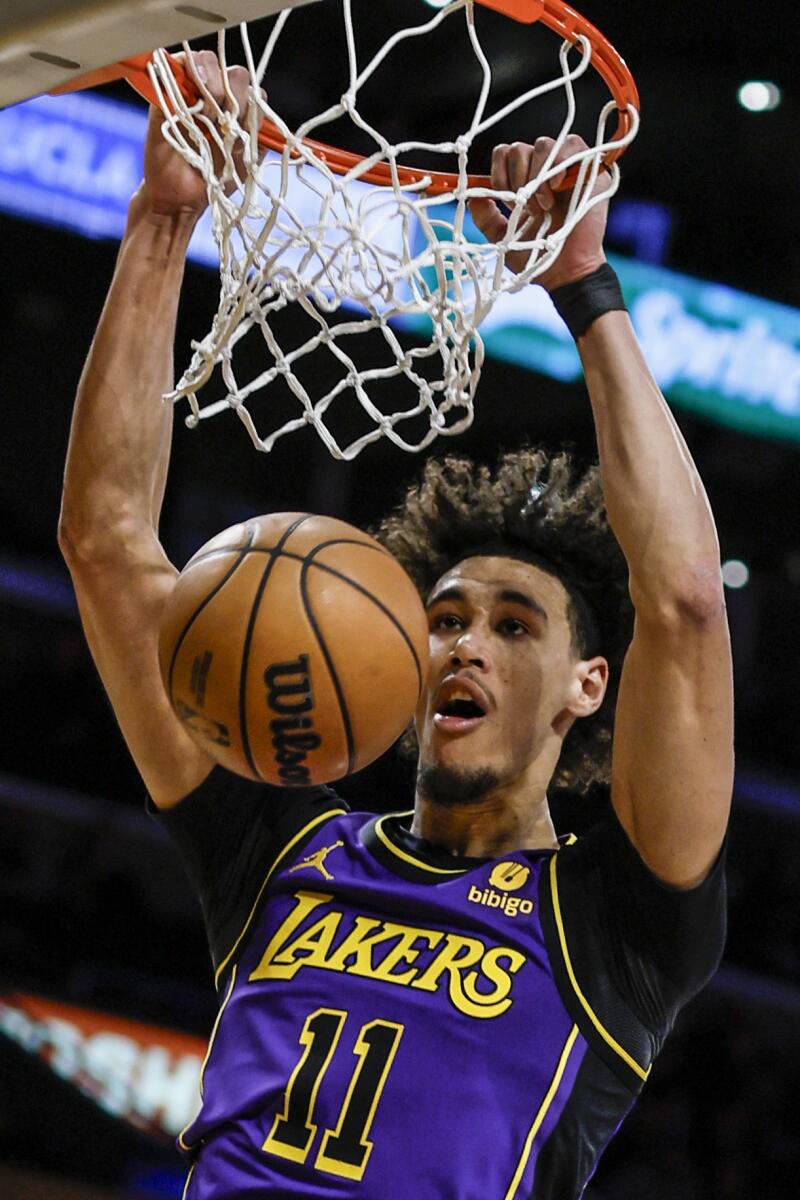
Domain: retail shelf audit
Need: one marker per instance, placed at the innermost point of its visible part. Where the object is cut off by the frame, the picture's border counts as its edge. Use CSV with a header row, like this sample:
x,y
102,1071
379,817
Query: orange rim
x,y
556,14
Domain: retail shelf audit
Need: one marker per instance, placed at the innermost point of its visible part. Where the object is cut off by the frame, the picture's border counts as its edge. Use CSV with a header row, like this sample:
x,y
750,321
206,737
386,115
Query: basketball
x,y
294,648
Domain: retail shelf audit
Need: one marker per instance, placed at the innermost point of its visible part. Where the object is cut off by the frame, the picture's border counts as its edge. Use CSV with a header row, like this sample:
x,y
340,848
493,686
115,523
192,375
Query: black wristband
x,y
579,304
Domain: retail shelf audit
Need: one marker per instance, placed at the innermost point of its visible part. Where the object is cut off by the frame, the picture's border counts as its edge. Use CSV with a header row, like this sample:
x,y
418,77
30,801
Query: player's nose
x,y
470,650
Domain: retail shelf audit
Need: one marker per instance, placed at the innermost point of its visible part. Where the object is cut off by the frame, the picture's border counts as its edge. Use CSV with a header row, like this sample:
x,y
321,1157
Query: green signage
x,y
721,353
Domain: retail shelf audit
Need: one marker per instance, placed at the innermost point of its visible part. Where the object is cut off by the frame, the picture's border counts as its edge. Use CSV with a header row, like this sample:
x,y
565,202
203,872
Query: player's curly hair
x,y
541,509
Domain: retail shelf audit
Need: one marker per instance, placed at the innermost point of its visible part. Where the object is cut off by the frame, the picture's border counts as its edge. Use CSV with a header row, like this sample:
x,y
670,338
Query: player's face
x,y
503,682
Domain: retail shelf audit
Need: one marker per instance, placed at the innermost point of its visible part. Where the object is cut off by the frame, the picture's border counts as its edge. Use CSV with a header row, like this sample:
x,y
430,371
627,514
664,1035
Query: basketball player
x,y
456,1004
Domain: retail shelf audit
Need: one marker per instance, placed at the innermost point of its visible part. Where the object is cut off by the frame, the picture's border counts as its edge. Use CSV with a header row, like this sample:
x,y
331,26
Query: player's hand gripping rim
x,y
171,186
513,166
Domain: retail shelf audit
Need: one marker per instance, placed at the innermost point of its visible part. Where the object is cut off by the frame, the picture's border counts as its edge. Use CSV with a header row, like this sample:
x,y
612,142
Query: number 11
x,y
345,1150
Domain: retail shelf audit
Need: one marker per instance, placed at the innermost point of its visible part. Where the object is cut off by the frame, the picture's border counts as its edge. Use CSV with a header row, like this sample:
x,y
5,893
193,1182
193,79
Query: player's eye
x,y
446,621
512,627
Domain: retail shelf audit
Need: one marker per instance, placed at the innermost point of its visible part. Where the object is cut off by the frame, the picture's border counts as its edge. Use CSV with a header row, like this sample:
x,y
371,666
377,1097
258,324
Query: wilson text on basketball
x,y
291,696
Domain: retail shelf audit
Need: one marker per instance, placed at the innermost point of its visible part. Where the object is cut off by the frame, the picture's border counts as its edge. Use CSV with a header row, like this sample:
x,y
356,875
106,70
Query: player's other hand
x,y
513,167
170,185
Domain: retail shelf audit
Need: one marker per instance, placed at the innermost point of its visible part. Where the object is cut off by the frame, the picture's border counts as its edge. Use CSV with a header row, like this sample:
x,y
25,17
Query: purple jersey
x,y
391,1026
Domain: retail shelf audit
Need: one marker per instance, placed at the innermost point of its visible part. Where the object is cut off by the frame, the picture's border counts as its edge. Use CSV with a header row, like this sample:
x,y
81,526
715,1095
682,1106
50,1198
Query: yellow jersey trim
x,y
555,1083
188,1180
409,858
223,1006
601,1029
326,816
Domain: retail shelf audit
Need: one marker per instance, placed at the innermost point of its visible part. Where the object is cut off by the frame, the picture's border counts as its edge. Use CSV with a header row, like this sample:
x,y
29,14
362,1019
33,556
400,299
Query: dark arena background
x,y
106,996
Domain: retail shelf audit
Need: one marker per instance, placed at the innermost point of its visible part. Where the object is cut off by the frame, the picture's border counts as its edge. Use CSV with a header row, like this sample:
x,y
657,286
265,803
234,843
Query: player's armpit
x,y
121,599
672,774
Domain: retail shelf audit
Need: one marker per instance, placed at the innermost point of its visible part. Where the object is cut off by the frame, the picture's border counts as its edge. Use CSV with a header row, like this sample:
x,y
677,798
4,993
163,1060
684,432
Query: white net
x,y
358,258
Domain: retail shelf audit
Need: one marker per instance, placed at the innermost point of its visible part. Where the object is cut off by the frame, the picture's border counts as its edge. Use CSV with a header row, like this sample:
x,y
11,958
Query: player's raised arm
x,y
117,463
673,740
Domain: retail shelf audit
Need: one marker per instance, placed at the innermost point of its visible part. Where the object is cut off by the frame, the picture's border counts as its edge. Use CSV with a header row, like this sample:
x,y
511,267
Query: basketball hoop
x,y
391,239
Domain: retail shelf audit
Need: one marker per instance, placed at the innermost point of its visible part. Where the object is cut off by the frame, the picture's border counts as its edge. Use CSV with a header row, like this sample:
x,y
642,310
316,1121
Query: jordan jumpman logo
x,y
317,861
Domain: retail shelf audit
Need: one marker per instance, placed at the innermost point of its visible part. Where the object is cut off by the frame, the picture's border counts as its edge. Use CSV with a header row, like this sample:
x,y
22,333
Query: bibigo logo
x,y
508,877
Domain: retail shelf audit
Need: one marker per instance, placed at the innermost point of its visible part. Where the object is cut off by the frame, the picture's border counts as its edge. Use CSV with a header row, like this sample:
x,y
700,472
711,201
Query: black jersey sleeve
x,y
634,937
229,832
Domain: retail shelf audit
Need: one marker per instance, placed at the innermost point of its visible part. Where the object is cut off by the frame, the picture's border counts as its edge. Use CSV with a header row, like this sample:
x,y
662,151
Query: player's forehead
x,y
485,578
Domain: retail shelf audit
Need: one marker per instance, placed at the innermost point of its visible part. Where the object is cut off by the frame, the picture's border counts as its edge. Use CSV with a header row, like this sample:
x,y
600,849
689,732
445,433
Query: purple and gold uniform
x,y
395,1022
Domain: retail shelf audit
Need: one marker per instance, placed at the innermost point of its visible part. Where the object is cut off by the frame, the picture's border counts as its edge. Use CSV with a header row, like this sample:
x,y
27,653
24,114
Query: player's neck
x,y
508,818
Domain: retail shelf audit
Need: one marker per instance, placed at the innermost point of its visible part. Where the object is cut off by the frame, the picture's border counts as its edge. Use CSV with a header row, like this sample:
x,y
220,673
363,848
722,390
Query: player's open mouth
x,y
459,708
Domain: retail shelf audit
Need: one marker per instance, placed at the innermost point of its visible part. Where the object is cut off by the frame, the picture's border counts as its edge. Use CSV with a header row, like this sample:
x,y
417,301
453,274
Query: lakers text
x,y
476,978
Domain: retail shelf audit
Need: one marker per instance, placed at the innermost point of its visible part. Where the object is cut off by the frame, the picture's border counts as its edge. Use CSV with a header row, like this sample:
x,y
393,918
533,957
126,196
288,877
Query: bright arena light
x,y
759,95
735,573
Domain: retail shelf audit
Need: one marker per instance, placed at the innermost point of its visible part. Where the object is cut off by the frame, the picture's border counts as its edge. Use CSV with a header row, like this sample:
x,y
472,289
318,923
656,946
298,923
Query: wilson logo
x,y
291,696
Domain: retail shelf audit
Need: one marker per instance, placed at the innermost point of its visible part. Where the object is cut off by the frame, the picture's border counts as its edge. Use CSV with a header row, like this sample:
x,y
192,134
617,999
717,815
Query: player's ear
x,y
588,688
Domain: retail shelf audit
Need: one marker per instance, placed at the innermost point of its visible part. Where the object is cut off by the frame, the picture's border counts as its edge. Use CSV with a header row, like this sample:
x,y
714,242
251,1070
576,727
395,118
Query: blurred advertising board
x,y
142,1074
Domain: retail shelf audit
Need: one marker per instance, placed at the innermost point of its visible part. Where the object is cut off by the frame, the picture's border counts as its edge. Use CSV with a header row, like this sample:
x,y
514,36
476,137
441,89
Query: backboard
x,y
46,43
